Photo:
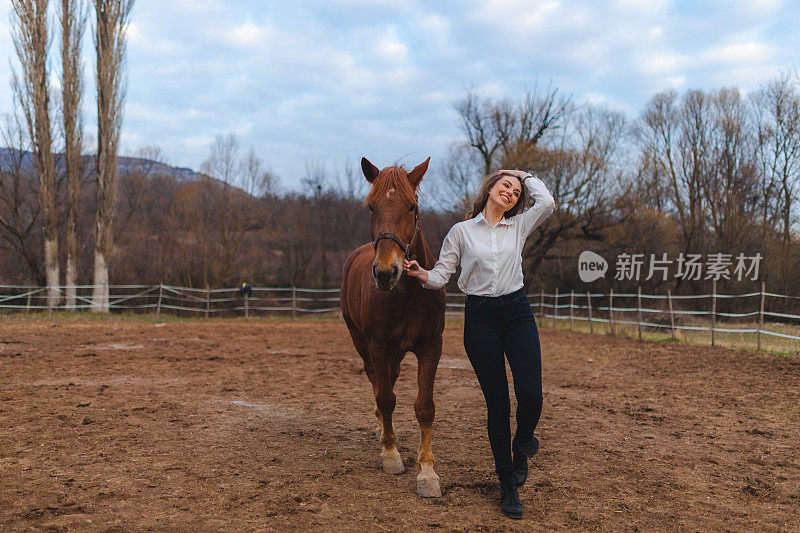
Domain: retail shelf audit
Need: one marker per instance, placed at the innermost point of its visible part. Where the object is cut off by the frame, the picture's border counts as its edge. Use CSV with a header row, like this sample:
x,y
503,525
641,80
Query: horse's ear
x,y
370,171
415,176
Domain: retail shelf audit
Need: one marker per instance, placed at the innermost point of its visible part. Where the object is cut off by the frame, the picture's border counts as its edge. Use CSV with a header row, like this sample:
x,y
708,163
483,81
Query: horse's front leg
x,y
424,408
385,399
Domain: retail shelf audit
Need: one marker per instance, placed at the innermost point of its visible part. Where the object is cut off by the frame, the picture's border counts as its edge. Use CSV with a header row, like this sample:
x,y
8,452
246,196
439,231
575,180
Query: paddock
x,y
132,423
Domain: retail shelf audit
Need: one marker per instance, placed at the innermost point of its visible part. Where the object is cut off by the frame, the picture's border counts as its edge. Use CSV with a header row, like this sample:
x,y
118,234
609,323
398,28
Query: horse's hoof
x,y
428,486
393,464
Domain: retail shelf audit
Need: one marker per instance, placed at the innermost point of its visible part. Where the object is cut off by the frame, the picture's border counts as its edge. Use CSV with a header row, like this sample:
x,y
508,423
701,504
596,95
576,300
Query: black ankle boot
x,y
510,497
520,460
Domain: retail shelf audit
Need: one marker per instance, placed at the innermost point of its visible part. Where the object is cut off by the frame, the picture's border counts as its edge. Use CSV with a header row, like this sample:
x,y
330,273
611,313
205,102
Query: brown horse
x,y
389,314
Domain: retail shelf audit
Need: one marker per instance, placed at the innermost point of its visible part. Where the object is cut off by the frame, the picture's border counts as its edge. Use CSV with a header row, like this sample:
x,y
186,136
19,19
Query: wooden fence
x,y
672,313
667,313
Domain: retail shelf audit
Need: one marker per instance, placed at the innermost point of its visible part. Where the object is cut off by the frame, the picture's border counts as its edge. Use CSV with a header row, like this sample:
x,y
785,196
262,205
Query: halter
x,y
391,236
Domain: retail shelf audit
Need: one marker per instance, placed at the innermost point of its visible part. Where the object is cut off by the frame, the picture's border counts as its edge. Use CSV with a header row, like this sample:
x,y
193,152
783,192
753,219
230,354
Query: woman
x,y
497,315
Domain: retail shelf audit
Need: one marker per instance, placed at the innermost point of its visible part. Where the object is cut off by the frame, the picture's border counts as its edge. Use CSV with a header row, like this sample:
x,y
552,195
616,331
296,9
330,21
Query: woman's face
x,y
505,192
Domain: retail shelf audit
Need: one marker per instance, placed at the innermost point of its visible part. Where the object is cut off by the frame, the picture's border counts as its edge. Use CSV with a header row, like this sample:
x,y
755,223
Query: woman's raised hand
x,y
518,173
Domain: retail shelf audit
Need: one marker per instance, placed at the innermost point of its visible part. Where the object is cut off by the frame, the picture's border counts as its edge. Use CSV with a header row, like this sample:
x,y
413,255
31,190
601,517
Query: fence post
x,y
294,303
208,300
761,316
28,307
571,316
160,293
639,310
611,310
541,303
713,308
555,308
671,314
589,301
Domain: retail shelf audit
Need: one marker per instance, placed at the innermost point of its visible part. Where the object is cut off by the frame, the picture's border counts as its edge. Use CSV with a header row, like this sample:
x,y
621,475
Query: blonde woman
x,y
498,318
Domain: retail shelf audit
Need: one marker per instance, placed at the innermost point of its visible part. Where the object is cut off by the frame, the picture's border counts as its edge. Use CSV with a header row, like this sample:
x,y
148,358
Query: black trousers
x,y
494,326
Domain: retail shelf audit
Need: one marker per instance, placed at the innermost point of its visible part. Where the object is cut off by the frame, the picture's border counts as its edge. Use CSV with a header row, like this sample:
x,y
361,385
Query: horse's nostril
x,y
394,270
374,271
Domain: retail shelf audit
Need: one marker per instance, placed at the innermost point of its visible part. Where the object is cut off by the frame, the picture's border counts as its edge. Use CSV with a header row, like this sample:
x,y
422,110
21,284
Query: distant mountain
x,y
125,164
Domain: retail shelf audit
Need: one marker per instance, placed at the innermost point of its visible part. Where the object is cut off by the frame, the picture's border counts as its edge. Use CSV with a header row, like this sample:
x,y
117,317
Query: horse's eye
x,y
412,209
370,208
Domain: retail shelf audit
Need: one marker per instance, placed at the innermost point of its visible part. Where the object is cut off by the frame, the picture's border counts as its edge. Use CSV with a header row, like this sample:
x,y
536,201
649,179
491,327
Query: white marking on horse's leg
x,y
427,480
392,462
386,400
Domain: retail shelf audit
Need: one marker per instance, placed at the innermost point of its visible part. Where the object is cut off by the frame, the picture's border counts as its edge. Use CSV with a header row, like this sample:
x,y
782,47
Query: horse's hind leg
x,y
427,361
386,374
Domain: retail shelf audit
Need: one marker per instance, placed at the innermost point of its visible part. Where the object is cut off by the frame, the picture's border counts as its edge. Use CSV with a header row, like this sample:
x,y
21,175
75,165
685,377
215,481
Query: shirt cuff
x,y
431,283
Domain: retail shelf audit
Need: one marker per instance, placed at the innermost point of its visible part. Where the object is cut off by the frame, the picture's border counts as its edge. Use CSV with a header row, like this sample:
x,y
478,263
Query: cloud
x,y
390,48
248,35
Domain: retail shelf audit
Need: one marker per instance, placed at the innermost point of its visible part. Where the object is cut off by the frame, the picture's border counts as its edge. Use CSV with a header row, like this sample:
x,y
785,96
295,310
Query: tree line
x,y
34,125
697,178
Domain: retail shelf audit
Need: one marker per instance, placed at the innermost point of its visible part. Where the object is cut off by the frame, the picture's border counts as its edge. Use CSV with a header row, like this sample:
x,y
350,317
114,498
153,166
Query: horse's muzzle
x,y
386,278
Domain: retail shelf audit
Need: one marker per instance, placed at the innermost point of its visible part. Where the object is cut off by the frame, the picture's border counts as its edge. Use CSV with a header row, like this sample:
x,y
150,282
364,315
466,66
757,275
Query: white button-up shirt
x,y
490,256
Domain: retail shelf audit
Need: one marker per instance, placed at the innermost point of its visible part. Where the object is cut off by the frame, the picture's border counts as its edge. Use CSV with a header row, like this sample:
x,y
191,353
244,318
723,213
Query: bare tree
x,y
731,187
349,187
133,184
704,153
256,179
777,116
29,23
110,28
294,230
351,183
676,133
317,188
222,162
487,126
495,128
270,183
19,206
458,179
73,23
226,196
582,171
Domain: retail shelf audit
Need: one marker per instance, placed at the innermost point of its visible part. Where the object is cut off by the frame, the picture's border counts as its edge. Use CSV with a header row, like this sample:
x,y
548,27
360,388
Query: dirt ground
x,y
268,425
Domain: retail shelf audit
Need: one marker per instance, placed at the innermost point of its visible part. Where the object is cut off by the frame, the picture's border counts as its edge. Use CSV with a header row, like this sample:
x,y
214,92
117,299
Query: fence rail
x,y
654,312
631,311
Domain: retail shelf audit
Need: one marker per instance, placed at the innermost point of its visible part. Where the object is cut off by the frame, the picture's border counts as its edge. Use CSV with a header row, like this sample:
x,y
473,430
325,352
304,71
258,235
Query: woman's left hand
x,y
412,268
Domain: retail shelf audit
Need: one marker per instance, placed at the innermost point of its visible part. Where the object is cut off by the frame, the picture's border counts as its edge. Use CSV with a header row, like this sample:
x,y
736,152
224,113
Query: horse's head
x,y
394,218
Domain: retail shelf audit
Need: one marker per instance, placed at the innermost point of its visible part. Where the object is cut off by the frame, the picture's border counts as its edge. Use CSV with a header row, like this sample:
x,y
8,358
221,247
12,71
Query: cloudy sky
x,y
330,80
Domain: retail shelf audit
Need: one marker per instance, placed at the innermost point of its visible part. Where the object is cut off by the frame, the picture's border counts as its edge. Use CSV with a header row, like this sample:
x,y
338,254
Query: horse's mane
x,y
387,178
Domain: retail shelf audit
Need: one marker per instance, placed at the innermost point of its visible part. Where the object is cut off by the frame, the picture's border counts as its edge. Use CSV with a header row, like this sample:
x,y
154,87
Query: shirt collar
x,y
503,220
